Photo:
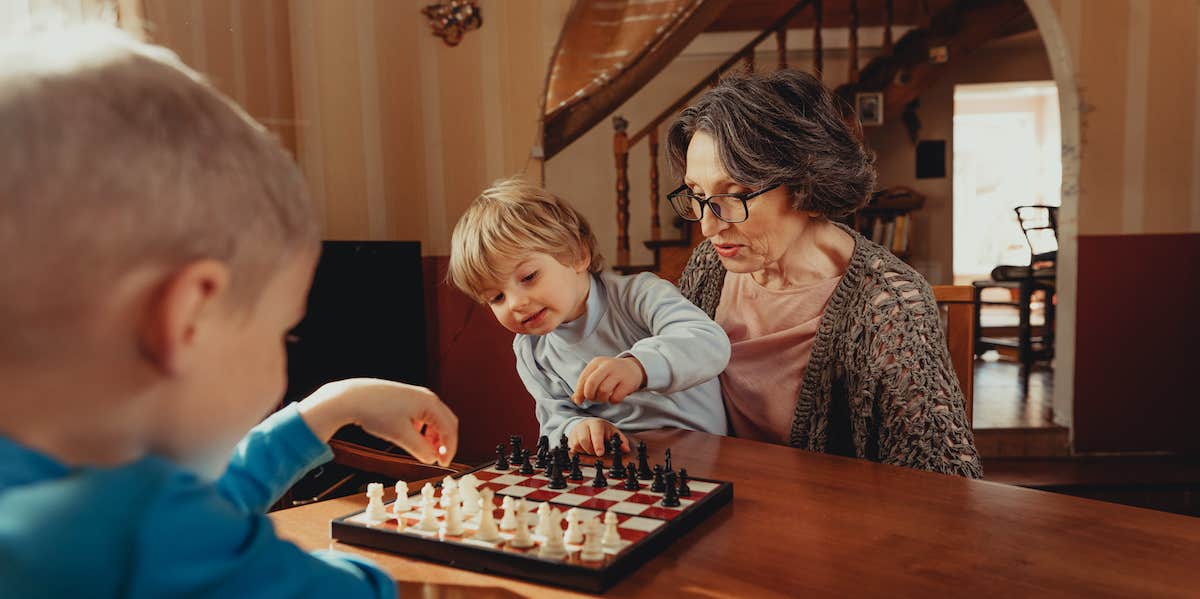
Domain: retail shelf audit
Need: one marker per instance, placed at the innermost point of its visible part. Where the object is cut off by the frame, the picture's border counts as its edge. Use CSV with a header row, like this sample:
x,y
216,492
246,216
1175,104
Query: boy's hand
x,y
589,436
392,411
609,380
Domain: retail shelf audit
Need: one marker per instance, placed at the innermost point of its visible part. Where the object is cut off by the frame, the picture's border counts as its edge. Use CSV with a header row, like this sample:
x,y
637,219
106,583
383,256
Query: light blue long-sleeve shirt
x,y
152,529
681,349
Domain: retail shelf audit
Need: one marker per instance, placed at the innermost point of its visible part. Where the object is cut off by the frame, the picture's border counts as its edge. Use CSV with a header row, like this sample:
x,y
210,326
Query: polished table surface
x,y
811,524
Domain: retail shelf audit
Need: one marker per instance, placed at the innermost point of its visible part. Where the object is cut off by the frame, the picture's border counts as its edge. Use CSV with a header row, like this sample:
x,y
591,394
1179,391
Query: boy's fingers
x,y
620,392
583,378
597,439
444,424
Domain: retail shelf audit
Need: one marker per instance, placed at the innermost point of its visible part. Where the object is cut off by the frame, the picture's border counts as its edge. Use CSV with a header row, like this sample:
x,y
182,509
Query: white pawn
x,y
574,531
454,521
521,538
402,504
468,490
376,511
543,525
487,518
428,517
612,538
509,520
593,547
553,546
449,485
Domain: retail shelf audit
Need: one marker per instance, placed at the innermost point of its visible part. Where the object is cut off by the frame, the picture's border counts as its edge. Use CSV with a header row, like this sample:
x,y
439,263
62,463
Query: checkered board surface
x,y
641,519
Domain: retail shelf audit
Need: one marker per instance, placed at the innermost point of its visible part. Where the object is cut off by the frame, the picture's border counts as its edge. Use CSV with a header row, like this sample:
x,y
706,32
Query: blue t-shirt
x,y
152,529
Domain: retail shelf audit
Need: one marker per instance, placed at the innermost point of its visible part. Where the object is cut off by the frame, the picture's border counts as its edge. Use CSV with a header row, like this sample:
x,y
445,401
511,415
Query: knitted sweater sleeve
x,y
921,410
703,278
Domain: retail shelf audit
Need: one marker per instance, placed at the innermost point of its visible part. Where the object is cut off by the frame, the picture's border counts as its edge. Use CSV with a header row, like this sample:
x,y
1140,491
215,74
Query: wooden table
x,y
811,524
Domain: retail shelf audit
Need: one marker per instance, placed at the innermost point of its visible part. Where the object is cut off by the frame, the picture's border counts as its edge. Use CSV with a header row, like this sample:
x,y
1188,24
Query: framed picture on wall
x,y
870,107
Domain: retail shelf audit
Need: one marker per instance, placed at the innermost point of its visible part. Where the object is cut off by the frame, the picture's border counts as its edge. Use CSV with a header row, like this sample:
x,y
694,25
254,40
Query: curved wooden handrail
x,y
391,465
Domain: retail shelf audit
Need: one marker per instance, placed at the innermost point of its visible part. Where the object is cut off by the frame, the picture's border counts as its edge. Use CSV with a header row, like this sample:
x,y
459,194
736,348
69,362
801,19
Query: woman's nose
x,y
711,225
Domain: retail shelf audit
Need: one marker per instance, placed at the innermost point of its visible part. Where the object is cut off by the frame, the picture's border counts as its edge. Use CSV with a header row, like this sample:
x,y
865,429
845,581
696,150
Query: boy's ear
x,y
183,305
585,262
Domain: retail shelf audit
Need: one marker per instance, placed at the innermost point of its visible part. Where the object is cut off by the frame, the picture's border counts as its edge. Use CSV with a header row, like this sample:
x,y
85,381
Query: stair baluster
x,y
621,154
652,141
853,75
781,46
818,50
888,17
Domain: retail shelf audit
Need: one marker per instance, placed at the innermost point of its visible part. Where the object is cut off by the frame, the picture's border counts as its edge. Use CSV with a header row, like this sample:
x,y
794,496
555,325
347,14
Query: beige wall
x,y
1138,64
932,235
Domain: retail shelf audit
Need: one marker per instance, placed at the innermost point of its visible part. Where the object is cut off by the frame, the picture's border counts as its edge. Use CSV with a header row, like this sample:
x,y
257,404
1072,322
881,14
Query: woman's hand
x,y
590,436
409,416
609,380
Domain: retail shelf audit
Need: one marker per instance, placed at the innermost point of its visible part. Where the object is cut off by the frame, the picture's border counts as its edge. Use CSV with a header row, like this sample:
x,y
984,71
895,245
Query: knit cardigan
x,y
879,384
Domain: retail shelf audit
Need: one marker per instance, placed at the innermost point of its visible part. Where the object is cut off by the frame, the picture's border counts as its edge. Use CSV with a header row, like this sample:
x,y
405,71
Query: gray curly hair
x,y
781,128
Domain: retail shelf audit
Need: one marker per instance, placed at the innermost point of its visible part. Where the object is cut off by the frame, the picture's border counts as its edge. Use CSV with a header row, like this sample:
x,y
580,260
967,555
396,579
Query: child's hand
x,y
590,436
609,380
393,411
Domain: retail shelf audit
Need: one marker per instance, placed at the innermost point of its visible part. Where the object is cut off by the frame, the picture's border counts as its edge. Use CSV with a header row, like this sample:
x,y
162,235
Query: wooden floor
x,y
1003,400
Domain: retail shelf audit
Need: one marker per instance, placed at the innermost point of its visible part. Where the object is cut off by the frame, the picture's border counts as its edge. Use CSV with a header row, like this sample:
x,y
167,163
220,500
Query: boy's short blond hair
x,y
510,220
116,158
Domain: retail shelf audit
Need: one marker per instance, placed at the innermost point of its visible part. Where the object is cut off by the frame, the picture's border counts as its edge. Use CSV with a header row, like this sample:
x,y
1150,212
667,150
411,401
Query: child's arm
x,y
290,442
556,415
685,347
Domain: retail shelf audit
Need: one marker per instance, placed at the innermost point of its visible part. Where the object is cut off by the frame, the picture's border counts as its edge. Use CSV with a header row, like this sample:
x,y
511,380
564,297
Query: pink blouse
x,y
772,332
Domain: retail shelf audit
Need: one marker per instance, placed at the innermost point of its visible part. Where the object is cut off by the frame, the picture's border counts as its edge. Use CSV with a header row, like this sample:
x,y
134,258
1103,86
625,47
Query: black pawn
x,y
576,472
643,470
556,475
658,486
671,499
631,481
514,442
618,467
526,467
501,457
667,467
565,460
684,491
599,482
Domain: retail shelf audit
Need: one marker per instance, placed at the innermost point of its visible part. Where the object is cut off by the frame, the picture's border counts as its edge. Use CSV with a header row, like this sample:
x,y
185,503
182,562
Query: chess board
x,y
646,527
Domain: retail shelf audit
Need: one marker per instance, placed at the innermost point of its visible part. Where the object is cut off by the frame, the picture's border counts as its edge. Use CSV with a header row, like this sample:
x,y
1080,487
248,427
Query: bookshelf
x,y
887,219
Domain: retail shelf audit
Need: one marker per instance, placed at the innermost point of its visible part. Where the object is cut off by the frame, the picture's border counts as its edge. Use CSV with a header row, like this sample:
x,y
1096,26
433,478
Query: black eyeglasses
x,y
729,207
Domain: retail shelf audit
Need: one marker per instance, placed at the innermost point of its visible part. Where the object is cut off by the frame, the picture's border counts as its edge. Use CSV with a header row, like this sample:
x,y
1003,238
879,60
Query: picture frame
x,y
869,106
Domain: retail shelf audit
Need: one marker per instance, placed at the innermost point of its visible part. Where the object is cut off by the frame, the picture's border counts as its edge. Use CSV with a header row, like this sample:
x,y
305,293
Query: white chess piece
x,y
487,518
376,511
468,490
509,520
593,546
401,504
543,524
449,485
574,530
553,546
521,538
454,520
428,517
612,537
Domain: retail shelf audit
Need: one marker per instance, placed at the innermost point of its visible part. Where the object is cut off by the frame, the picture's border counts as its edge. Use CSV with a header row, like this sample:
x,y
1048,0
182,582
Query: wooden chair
x,y
959,304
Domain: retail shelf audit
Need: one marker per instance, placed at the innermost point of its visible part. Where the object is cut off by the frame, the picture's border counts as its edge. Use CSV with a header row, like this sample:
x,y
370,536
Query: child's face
x,y
239,373
538,294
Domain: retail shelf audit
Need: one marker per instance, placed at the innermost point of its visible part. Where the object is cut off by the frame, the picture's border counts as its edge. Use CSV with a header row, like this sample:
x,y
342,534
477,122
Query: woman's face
x,y
763,238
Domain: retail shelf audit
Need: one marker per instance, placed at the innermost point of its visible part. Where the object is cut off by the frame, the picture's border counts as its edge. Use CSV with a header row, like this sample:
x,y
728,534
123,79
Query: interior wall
x,y
932,239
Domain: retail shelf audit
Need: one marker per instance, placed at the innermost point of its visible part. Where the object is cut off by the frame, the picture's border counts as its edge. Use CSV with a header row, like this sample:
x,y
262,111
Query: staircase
x,y
902,73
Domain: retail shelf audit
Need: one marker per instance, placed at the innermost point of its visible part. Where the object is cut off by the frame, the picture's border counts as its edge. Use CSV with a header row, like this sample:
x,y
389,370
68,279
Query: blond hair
x,y
510,220
115,158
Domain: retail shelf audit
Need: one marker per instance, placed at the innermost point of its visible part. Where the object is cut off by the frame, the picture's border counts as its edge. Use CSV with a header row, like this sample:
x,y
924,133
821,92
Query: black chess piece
x,y
501,457
576,473
526,466
667,467
684,490
631,480
514,442
556,475
543,452
599,482
671,497
618,467
566,459
658,486
643,470
563,444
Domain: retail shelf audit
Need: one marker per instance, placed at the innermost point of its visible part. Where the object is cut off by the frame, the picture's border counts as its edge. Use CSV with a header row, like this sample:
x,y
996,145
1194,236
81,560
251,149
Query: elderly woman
x,y
837,344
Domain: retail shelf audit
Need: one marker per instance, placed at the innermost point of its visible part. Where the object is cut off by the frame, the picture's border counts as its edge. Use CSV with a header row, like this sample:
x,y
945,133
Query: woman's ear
x,y
180,312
